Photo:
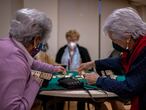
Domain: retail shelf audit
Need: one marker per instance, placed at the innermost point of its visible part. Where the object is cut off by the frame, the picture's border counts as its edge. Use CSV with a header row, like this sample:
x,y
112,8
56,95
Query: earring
x,y
127,44
127,48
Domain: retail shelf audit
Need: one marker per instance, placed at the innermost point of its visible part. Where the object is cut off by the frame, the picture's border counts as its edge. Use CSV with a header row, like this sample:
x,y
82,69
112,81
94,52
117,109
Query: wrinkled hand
x,y
86,66
91,77
60,69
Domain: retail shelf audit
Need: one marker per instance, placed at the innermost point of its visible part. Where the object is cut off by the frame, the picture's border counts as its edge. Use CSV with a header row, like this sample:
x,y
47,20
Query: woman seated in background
x,y
72,55
127,31
18,86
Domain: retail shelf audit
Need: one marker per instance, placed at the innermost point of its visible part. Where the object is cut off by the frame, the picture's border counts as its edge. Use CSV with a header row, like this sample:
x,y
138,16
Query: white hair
x,y
125,20
28,23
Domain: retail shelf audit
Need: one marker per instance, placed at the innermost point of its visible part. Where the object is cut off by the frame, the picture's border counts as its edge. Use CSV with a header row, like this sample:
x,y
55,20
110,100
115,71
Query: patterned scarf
x,y
72,61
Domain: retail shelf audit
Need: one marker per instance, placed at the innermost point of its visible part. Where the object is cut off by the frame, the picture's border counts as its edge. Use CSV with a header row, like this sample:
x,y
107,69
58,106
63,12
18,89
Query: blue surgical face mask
x,y
119,48
36,50
44,47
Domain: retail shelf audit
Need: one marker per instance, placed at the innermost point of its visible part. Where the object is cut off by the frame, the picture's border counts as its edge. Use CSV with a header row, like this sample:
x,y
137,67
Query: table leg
x,y
68,105
100,106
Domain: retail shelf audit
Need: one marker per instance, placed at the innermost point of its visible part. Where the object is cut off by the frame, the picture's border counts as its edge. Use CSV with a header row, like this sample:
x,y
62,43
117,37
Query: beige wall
x,y
5,16
15,5
143,12
7,10
107,7
50,7
81,15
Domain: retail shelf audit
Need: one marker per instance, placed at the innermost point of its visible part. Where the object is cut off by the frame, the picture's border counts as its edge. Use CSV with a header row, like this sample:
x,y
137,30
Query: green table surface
x,y
53,83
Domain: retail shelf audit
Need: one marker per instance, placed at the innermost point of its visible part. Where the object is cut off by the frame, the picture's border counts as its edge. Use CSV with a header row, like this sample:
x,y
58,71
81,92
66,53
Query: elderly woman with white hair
x,y
18,86
128,33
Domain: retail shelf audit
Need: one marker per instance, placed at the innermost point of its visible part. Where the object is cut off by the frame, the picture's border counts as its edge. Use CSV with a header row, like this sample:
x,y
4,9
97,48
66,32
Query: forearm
x,y
109,64
31,92
23,101
40,66
118,87
134,83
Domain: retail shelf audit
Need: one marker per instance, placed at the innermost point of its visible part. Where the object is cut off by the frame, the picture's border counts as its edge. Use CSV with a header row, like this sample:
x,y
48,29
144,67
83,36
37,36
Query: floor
x,y
37,106
73,106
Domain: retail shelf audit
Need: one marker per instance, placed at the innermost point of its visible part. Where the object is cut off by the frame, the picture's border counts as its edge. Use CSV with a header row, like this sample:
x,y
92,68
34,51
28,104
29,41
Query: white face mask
x,y
72,45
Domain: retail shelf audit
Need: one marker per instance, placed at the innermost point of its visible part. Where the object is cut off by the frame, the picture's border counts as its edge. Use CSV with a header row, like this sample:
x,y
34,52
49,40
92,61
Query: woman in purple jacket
x,y
127,31
18,86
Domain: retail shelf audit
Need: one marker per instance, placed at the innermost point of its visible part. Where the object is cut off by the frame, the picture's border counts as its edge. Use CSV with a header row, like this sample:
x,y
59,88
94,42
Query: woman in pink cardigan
x,y
18,86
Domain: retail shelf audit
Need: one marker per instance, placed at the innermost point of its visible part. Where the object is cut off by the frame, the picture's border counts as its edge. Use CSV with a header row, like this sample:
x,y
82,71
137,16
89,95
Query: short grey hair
x,y
125,20
28,23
